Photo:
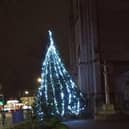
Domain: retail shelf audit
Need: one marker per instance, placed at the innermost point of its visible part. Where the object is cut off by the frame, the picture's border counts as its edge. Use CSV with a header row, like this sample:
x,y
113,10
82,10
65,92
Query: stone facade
x,y
92,42
86,56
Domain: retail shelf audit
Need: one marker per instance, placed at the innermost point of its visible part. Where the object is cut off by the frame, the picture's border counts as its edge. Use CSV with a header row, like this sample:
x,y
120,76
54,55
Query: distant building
x,y
28,101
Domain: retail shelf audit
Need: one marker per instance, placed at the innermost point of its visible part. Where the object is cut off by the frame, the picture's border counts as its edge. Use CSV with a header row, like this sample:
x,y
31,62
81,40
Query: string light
x,y
57,87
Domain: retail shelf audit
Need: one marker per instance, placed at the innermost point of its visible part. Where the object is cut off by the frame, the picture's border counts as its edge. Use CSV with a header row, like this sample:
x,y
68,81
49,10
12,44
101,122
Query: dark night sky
x,y
23,39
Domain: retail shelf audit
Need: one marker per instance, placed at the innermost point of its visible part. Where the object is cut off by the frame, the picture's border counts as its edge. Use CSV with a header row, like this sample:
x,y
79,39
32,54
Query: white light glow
x,y
57,87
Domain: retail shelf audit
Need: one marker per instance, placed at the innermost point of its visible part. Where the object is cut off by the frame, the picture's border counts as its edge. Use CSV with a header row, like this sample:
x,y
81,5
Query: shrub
x,y
51,123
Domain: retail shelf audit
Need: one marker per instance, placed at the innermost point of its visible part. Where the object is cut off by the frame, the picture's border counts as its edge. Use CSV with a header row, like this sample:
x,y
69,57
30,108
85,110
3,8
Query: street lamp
x,y
39,79
26,92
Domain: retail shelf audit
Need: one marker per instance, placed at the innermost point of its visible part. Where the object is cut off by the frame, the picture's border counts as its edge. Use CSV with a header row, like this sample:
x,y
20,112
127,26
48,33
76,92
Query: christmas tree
x,y
58,95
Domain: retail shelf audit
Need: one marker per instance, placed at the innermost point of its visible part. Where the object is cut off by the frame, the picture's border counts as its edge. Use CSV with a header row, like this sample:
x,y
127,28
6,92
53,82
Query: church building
x,y
99,56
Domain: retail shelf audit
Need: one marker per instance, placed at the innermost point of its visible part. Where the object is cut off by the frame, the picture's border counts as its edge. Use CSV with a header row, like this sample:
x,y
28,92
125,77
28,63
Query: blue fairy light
x,y
57,89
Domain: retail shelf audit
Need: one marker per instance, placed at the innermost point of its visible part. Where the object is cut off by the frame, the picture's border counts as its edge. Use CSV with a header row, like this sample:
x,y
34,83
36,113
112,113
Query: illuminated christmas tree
x,y
58,95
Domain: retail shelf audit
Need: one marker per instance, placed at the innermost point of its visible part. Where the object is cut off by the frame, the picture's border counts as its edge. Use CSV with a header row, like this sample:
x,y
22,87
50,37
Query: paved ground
x,y
8,121
114,122
99,124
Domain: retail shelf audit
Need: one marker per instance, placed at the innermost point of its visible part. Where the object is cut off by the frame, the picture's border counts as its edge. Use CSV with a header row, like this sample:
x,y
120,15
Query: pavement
x,y
97,124
117,121
8,121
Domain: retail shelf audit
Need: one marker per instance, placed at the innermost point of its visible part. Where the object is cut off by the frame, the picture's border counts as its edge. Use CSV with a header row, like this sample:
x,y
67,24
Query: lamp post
x,y
26,92
108,107
107,94
0,87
